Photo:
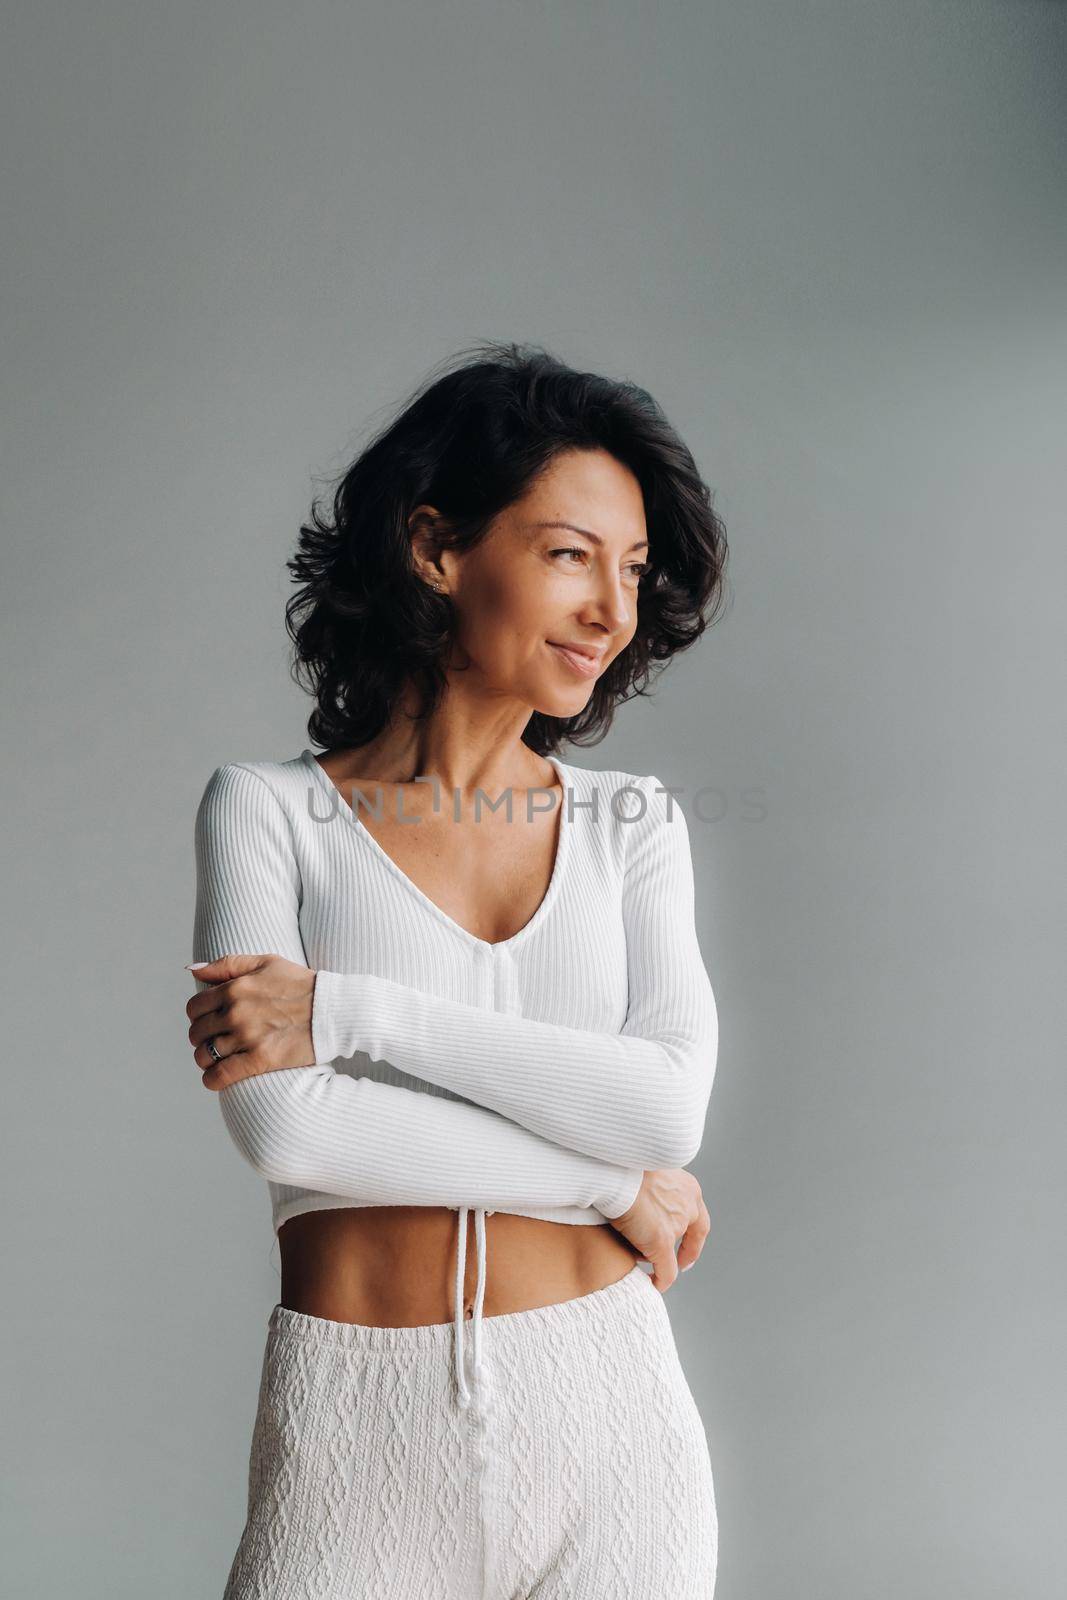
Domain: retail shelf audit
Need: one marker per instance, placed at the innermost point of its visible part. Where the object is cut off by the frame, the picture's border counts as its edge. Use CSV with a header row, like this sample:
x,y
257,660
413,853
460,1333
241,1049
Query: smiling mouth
x,y
585,666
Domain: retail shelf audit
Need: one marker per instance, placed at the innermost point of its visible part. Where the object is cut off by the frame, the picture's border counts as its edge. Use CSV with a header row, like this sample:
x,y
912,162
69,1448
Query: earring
x,y
437,588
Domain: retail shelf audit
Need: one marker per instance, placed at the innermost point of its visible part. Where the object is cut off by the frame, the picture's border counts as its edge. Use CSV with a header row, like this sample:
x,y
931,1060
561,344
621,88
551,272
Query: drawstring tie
x,y
478,1372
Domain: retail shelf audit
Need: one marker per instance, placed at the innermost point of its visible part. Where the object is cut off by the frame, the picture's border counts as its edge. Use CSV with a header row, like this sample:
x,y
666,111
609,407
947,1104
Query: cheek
x,y
503,615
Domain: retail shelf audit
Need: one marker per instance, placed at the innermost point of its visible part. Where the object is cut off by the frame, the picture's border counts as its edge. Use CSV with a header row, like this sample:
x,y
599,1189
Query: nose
x,y
610,603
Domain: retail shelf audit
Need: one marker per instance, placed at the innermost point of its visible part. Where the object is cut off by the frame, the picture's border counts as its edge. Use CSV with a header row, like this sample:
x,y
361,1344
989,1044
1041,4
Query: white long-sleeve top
x,y
541,1075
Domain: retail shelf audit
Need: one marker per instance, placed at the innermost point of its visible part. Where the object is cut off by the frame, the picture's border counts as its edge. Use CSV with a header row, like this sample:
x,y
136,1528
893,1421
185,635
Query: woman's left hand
x,y
257,1011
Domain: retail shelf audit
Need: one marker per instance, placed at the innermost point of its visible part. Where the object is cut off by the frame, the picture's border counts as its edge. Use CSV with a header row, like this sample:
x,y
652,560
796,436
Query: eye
x,y
638,568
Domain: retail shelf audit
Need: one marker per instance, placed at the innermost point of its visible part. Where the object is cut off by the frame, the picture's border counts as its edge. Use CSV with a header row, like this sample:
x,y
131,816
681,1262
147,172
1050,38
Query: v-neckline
x,y
358,827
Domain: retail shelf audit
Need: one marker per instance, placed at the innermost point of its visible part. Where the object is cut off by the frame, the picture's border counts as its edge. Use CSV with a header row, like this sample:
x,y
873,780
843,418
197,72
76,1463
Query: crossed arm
x,y
560,1115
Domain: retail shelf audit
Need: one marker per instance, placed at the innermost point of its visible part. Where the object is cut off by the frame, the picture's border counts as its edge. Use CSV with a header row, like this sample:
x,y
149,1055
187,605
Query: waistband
x,y
567,1316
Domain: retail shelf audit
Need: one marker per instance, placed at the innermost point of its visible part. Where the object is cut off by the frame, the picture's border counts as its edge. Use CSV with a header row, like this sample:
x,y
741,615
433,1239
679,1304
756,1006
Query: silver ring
x,y
214,1052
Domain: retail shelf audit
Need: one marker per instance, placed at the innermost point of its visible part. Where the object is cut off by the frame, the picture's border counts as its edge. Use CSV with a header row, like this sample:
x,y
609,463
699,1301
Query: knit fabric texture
x,y
583,1473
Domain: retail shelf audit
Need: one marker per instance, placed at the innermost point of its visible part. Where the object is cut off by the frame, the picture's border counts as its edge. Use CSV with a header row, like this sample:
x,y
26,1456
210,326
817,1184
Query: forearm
x,y
386,1145
636,1099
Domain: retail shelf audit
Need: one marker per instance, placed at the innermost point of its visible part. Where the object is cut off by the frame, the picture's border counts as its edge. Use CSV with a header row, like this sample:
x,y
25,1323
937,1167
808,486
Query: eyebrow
x,y
641,544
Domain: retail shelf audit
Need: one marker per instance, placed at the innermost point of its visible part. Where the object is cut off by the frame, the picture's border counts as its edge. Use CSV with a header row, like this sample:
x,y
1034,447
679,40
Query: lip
x,y
585,662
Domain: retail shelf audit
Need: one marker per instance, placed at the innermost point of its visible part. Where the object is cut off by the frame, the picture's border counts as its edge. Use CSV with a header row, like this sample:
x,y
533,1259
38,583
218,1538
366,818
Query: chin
x,y
553,704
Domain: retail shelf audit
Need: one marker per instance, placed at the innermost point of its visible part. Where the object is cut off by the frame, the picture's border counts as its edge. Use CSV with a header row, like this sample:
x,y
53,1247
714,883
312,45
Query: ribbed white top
x,y
541,1075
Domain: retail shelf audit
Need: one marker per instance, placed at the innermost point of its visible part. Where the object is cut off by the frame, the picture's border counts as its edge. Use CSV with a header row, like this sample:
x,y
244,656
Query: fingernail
x,y
191,966
688,1265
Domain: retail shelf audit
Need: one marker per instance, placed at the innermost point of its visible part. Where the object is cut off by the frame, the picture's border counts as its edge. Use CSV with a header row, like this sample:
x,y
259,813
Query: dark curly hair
x,y
470,441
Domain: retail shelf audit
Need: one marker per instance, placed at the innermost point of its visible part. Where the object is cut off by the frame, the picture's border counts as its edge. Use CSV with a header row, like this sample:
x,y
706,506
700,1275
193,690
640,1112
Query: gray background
x,y
830,238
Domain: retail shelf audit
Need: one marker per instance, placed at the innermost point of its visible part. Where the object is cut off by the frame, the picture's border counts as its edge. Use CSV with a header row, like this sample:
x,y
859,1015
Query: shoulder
x,y
631,812
258,795
627,796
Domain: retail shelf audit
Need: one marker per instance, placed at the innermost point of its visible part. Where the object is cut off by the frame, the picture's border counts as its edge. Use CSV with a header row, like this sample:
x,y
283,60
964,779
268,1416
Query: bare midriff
x,y
394,1266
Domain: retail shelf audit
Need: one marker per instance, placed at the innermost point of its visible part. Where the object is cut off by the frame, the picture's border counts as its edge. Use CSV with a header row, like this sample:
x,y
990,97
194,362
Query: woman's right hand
x,y
669,1206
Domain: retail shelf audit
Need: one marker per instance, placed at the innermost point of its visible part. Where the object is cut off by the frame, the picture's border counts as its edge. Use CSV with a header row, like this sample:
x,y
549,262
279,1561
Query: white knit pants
x,y
580,1471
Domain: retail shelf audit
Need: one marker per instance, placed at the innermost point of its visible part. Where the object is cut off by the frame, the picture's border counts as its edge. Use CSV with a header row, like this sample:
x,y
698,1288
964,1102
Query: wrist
x,y
323,1043
618,1203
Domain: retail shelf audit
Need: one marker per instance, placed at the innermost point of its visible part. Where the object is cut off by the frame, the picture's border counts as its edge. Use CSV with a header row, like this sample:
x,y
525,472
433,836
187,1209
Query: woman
x,y
442,970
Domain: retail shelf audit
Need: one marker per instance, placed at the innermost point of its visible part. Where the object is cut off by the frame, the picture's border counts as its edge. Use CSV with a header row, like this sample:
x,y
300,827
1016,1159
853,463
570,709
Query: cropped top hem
x,y
575,1216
